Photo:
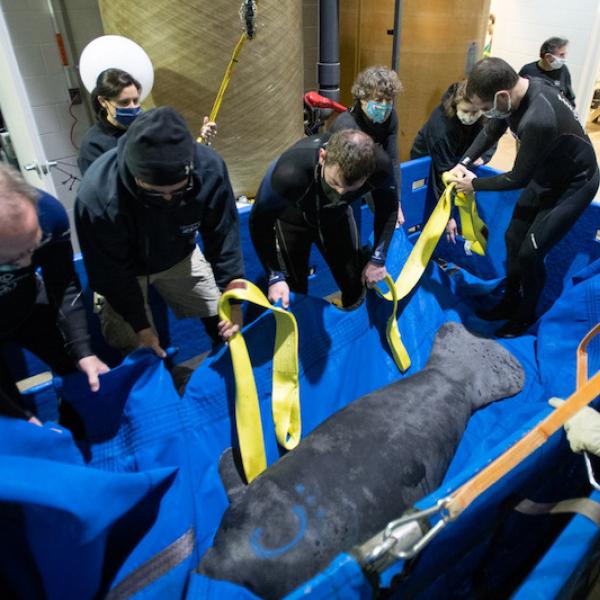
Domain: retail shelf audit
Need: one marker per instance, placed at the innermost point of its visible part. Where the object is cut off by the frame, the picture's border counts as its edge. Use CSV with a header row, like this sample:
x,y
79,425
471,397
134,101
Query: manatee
x,y
358,470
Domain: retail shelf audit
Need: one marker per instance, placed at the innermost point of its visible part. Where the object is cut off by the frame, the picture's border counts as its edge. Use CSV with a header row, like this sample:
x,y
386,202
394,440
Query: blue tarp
x,y
82,518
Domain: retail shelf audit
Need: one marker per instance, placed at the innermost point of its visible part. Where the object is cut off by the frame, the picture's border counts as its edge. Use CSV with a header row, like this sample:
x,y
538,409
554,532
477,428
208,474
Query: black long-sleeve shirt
x,y
294,185
121,237
59,286
560,78
553,149
446,139
100,138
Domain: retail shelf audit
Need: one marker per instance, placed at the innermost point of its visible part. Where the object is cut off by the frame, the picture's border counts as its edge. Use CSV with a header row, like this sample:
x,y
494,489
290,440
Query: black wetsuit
x,y
41,307
557,166
292,212
560,78
100,138
446,139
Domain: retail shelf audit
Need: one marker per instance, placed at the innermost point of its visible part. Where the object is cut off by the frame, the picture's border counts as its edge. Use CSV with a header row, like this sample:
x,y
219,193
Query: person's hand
x,y
457,172
400,217
35,421
279,291
208,131
147,338
582,429
92,366
464,183
228,328
478,162
373,274
451,231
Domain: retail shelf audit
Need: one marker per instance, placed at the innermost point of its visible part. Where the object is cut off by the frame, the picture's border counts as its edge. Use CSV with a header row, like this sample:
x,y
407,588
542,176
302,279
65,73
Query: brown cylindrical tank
x,y
435,40
190,45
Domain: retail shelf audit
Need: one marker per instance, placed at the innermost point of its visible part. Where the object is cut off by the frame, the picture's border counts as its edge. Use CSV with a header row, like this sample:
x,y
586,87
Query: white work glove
x,y
583,429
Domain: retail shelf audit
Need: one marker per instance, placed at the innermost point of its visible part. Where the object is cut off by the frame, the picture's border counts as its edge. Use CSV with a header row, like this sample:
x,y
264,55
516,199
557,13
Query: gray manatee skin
x,y
359,469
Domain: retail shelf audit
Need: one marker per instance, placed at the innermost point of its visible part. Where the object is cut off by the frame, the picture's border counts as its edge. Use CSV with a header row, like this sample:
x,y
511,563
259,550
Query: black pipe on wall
x,y
328,67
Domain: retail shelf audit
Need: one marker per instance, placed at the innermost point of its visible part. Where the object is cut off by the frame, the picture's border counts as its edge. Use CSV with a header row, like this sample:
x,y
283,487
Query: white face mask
x,y
468,118
497,113
557,63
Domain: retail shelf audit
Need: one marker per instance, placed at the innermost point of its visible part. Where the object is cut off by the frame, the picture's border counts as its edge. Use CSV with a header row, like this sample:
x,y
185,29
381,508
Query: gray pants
x,y
188,288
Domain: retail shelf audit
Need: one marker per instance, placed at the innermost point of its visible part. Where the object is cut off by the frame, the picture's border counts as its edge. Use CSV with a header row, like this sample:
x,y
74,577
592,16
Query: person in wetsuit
x,y
40,296
556,165
552,67
305,198
374,92
449,131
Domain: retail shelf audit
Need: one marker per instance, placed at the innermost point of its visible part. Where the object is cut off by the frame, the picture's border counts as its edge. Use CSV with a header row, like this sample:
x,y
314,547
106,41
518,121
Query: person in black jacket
x,y
556,165
445,137
305,198
40,296
116,102
137,213
374,92
552,67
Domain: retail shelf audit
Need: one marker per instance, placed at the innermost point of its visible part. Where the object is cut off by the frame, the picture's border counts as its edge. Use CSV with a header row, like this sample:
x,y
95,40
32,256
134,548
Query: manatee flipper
x,y
231,472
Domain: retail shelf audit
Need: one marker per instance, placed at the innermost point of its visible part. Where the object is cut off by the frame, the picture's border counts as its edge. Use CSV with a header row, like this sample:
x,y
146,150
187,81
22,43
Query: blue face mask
x,y
377,112
9,268
126,116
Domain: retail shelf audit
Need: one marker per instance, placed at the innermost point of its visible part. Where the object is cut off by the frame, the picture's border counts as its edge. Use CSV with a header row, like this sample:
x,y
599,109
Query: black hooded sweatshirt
x,y
122,237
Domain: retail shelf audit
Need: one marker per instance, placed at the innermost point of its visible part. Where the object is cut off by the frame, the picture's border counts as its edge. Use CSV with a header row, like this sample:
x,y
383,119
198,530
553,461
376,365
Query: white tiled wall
x,y
32,35
522,26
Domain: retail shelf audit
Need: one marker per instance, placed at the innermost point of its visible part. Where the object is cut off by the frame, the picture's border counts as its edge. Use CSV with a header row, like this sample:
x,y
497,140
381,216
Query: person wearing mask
x,y
555,164
137,213
40,295
445,137
552,67
116,102
305,199
374,92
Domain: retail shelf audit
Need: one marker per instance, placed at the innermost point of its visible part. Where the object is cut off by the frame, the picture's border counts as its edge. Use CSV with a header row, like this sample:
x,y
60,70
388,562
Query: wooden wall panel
x,y
436,35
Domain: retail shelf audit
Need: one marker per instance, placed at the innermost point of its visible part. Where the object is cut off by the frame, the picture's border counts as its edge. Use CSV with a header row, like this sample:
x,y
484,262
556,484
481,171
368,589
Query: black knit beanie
x,y
159,148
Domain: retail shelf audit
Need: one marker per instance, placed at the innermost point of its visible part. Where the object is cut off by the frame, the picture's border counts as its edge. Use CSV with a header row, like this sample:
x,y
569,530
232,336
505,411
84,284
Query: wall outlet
x,y
75,95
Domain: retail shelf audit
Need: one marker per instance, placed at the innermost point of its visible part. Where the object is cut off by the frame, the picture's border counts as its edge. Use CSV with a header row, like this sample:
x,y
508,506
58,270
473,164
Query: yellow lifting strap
x,y
286,393
473,229
227,77
587,391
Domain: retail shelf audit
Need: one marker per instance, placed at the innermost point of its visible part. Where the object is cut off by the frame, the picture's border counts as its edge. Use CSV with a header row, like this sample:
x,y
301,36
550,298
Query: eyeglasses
x,y
161,197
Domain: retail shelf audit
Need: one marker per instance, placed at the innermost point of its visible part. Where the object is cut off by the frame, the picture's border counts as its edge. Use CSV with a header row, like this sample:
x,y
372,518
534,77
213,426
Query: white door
x,y
19,119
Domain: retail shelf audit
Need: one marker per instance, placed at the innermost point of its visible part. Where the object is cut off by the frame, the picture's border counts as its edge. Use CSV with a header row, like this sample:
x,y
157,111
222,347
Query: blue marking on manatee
x,y
263,552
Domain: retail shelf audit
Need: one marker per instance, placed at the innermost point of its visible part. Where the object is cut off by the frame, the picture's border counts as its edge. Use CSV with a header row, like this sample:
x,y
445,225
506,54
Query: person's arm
x,y
220,231
569,93
107,255
493,130
265,211
488,154
55,258
534,142
385,199
390,146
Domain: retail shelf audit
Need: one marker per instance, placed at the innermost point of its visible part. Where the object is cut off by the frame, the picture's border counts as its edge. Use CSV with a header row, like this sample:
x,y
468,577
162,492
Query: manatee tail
x,y
485,369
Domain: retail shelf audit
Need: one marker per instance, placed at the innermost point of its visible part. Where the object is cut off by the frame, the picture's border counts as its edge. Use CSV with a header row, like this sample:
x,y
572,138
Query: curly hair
x,y
354,153
376,82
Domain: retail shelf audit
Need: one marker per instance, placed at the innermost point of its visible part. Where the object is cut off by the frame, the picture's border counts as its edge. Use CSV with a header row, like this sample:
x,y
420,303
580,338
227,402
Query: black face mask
x,y
178,198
